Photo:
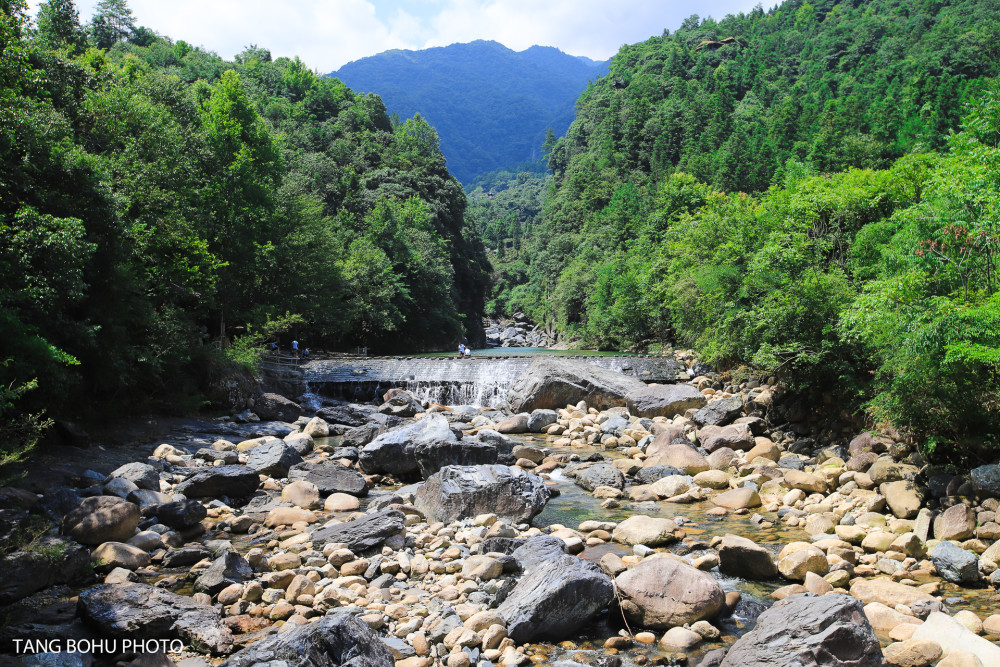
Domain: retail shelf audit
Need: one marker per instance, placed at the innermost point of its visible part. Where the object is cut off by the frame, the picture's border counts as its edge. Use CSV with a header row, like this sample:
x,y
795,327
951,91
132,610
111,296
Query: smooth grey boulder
x,y
393,451
552,383
433,455
600,474
180,514
142,475
514,424
954,563
230,568
340,640
349,415
215,481
720,412
101,519
809,630
330,478
361,534
664,400
140,611
556,595
275,407
461,492
541,419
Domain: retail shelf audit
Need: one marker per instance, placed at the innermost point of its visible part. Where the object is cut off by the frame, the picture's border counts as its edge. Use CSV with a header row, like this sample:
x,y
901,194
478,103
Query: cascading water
x,y
480,381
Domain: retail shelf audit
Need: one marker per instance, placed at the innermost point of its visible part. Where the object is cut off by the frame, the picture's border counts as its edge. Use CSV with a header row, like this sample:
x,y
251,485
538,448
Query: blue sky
x,y
328,33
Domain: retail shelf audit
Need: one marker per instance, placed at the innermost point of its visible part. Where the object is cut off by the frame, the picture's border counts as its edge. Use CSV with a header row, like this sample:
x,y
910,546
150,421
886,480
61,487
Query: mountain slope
x,y
490,105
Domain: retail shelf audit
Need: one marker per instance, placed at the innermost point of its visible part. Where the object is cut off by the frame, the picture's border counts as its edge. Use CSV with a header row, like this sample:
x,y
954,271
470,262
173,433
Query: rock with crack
x,y
141,611
462,492
556,595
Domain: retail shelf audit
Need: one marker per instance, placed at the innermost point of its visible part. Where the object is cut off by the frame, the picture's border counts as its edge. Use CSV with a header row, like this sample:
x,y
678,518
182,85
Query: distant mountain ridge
x,y
490,105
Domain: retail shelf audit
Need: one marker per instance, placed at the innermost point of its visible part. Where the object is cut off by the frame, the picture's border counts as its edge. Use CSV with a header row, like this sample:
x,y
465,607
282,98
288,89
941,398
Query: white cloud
x,y
328,33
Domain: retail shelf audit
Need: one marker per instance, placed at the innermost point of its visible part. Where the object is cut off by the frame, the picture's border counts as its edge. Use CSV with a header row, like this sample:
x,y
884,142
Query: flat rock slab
x,y
361,534
330,478
664,400
216,481
141,611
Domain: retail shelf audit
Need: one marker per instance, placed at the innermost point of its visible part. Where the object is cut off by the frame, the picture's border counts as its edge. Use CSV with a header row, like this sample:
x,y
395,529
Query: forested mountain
x,y
490,105
785,191
156,201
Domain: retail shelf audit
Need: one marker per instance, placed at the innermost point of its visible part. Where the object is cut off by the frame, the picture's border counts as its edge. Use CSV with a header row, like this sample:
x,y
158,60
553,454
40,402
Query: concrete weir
x,y
482,381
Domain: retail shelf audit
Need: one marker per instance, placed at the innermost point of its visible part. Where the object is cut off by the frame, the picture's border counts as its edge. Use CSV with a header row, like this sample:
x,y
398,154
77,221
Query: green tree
x,y
112,22
59,26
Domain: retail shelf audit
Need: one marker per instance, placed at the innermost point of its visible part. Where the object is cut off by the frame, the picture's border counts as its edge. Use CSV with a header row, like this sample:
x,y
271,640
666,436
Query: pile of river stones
x,y
258,549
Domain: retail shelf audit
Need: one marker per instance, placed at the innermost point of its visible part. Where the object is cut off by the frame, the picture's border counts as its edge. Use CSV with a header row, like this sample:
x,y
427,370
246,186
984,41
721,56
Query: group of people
x,y
273,349
464,351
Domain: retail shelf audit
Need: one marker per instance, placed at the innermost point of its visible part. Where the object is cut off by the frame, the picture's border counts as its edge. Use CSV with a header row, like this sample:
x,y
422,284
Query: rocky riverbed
x,y
637,524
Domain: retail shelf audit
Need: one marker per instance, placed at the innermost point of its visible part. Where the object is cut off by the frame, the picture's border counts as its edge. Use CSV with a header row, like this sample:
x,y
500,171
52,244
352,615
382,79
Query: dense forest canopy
x,y
794,193
158,202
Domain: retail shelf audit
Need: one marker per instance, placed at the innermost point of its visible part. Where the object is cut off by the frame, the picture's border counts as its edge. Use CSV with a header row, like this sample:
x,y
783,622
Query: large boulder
x,y
683,457
741,557
275,407
734,436
646,530
665,592
273,458
664,400
954,563
393,451
141,611
986,481
215,481
330,478
600,474
904,497
461,492
552,383
340,640
436,454
809,631
101,519
401,405
56,561
557,594
348,415
541,419
720,412
142,475
362,534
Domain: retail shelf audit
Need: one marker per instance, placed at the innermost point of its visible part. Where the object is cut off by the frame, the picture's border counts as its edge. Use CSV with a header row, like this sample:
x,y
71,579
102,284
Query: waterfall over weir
x,y
478,381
